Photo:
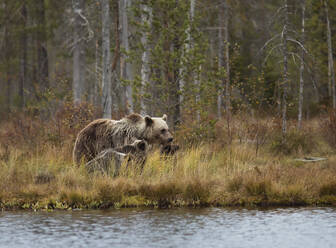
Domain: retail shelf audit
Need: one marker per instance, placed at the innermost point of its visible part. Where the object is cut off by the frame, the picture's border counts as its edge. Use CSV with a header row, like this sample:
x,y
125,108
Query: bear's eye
x,y
163,130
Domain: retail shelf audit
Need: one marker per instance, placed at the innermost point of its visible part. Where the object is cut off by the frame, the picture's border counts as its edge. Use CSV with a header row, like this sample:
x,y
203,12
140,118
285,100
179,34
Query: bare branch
x,y
267,42
79,12
294,32
293,58
276,14
299,43
296,55
306,67
269,53
212,28
283,31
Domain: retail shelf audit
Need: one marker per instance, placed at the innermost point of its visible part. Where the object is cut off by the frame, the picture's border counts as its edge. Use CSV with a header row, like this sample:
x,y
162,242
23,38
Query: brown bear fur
x,y
169,149
103,134
138,148
112,159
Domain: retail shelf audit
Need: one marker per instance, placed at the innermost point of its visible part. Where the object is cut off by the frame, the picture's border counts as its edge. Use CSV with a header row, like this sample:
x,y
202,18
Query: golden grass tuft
x,y
208,174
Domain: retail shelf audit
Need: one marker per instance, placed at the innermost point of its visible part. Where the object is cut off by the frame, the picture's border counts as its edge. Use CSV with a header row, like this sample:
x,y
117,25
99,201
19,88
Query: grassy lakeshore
x,y
209,174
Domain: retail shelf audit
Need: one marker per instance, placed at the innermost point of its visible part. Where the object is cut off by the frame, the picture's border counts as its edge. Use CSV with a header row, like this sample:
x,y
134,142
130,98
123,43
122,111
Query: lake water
x,y
212,227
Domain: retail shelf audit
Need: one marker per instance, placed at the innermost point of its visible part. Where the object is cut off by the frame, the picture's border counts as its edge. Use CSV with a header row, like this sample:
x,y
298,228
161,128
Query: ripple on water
x,y
213,227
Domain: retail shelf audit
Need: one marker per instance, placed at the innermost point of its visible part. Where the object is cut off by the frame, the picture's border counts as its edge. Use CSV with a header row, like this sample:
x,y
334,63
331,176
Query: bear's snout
x,y
170,140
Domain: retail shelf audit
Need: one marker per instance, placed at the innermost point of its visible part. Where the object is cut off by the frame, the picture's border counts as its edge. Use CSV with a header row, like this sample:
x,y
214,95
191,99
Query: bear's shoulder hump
x,y
134,118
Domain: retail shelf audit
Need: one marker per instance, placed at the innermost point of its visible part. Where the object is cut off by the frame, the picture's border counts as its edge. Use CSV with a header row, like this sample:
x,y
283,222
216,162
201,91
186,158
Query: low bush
x,y
328,128
295,142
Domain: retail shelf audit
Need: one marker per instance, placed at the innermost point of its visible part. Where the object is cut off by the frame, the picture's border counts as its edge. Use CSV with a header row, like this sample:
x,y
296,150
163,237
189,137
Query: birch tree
x,y
146,19
23,59
106,56
42,51
7,57
197,76
331,72
223,39
220,62
78,52
285,71
185,51
282,48
302,65
95,94
227,60
125,67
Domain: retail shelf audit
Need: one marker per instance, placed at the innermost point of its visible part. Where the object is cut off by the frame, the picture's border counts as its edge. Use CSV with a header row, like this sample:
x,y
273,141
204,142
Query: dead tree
x,y
279,43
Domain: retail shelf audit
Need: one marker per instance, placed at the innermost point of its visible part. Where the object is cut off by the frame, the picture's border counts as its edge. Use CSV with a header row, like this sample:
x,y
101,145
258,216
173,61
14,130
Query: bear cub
x,y
110,160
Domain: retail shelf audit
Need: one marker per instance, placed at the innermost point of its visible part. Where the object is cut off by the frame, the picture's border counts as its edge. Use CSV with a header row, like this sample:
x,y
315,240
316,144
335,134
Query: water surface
x,y
213,227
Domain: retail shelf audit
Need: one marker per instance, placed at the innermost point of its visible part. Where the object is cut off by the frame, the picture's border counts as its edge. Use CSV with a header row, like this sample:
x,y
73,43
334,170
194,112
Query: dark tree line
x,y
192,59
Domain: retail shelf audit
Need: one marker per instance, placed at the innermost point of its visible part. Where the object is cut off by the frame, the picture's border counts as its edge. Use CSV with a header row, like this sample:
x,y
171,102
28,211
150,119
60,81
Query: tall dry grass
x,y
200,176
250,170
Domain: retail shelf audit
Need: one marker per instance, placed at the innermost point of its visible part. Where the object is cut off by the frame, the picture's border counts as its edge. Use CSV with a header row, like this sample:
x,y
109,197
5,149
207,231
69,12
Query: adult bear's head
x,y
157,130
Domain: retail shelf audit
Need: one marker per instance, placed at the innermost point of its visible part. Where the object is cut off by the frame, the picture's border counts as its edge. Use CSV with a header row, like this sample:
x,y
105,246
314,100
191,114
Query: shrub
x,y
23,130
328,189
44,177
295,142
258,187
193,133
196,190
235,184
328,128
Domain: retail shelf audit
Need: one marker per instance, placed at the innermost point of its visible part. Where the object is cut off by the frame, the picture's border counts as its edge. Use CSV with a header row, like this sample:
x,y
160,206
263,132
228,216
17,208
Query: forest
x,y
248,88
190,59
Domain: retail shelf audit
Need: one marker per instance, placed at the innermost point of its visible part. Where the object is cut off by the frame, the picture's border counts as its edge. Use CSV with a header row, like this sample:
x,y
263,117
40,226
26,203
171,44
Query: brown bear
x,y
111,159
103,134
169,149
138,148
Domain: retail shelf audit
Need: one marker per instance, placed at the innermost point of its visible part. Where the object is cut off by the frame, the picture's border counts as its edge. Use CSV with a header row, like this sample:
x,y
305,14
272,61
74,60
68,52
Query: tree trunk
x,y
95,94
221,17
227,64
302,65
331,73
124,65
106,53
42,52
285,74
7,52
186,49
173,76
78,53
174,82
118,89
23,59
196,76
146,19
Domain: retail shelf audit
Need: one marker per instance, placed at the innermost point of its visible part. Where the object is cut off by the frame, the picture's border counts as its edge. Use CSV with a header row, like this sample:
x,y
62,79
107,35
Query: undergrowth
x,y
250,168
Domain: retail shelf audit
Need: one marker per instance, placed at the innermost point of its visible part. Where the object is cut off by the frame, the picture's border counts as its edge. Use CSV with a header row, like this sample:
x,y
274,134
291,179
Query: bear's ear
x,y
149,121
164,117
142,146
